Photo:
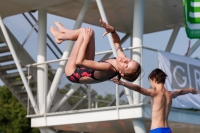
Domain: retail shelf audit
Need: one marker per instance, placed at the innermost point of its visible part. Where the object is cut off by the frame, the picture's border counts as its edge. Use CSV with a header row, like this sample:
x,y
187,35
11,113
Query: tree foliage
x,y
13,114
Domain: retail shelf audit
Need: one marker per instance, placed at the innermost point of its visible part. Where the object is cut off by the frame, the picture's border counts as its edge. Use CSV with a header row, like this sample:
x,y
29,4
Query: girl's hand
x,y
107,27
87,34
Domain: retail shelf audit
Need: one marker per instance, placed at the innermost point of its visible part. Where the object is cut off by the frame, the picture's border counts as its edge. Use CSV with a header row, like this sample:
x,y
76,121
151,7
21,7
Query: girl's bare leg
x,y
89,53
64,34
71,63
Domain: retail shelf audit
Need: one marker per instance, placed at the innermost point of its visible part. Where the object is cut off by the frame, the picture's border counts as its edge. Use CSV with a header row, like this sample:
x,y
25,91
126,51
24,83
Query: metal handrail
x,y
98,53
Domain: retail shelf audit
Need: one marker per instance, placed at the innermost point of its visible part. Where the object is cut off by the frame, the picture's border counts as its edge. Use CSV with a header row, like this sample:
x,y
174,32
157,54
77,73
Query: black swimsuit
x,y
86,72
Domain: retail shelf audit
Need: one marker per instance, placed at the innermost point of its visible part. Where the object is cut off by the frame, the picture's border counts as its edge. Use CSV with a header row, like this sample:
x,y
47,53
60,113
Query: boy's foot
x,y
61,27
55,33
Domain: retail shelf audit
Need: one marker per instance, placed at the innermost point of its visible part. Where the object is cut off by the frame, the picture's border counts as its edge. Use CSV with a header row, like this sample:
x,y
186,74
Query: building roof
x,y
159,14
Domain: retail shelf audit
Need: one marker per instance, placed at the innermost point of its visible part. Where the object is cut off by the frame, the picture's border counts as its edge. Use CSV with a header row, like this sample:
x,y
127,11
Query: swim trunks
x,y
86,72
161,130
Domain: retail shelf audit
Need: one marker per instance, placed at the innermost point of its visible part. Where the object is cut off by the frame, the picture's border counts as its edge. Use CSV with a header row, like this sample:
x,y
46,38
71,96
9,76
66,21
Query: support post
x,y
16,60
194,48
104,18
96,104
41,57
139,126
137,38
117,95
75,106
89,96
172,38
129,95
65,97
62,64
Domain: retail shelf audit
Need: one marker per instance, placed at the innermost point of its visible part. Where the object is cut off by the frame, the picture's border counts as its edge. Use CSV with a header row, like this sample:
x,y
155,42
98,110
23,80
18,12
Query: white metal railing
x,y
98,53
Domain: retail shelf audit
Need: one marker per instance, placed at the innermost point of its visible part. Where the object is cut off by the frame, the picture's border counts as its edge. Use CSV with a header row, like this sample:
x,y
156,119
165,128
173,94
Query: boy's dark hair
x,y
133,76
159,76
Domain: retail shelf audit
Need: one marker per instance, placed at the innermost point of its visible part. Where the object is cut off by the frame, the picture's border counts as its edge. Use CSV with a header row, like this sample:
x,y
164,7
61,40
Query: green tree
x,y
13,114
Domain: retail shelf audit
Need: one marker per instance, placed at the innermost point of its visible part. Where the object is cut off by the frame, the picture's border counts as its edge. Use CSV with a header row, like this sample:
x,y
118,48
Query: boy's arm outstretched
x,y
183,92
134,87
115,36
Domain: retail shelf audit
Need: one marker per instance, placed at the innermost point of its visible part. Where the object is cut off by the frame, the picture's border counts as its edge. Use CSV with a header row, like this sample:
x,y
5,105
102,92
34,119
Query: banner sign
x,y
182,72
192,18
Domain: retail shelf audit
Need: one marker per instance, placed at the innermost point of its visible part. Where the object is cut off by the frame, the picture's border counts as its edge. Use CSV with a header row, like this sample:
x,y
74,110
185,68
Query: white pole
x,y
65,97
172,38
117,95
96,103
16,60
41,57
137,38
139,126
129,95
138,25
104,18
89,96
62,64
44,109
75,106
193,48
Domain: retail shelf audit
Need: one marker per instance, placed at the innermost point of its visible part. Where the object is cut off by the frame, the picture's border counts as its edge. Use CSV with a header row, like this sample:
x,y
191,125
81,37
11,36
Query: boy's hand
x,y
107,27
117,81
193,91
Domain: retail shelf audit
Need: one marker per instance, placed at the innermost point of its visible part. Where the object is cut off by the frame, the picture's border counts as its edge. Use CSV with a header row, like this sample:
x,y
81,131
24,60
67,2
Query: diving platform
x,y
114,119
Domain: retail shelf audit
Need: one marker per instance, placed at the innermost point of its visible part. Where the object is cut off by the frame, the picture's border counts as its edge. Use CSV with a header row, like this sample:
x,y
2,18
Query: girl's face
x,y
125,65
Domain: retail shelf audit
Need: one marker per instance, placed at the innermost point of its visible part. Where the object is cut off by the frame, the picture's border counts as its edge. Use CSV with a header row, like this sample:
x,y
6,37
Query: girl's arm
x,y
116,41
115,36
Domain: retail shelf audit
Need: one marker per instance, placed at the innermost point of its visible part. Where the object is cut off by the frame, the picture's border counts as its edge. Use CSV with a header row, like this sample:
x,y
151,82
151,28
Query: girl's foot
x,y
61,27
55,33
